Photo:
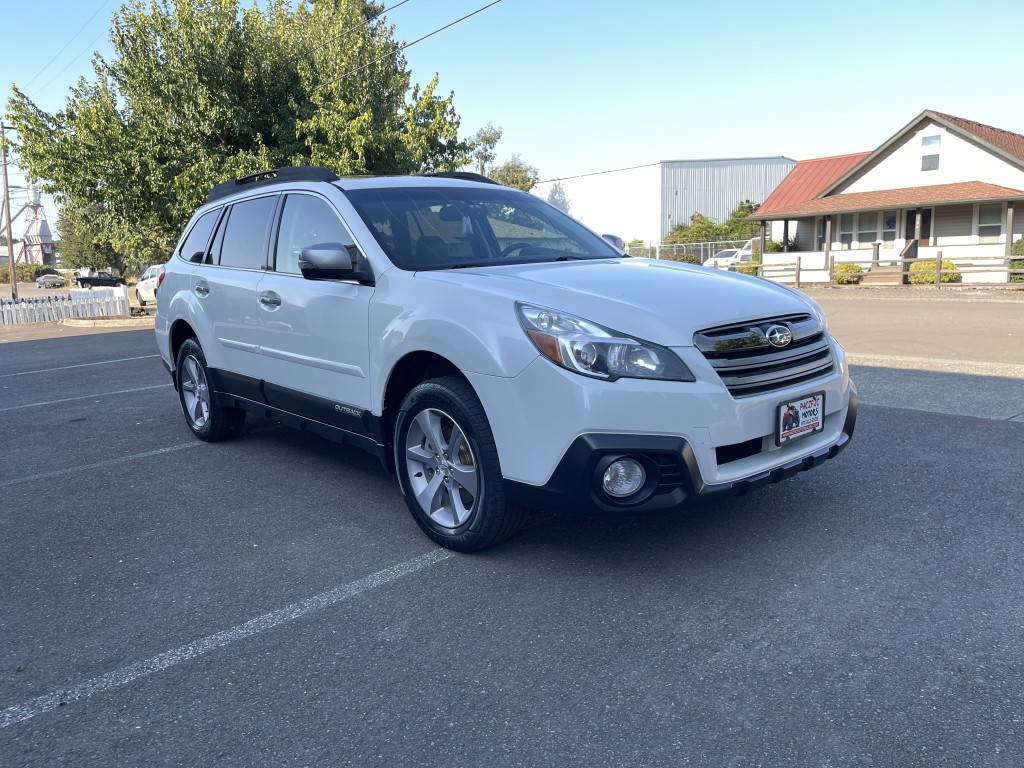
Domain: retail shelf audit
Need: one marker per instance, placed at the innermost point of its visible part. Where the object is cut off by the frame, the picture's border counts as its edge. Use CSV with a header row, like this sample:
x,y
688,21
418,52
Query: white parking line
x,y
79,365
83,397
125,675
98,464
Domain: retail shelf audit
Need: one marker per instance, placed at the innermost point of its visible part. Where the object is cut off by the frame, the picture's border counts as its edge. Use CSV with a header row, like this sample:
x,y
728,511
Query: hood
x,y
660,301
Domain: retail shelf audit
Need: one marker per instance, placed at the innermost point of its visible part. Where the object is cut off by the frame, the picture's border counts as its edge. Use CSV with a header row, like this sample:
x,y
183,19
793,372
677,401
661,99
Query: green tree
x,y
738,226
557,198
83,242
515,173
482,144
199,91
703,229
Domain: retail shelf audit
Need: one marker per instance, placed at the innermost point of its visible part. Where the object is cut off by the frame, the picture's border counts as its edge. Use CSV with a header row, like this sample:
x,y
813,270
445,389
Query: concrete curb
x,y
936,365
108,322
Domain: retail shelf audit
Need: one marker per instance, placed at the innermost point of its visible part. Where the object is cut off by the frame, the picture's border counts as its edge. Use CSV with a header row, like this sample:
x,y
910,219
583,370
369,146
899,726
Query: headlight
x,y
584,347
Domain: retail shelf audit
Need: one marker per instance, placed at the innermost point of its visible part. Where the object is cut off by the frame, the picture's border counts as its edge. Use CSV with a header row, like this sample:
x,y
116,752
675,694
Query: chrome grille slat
x,y
749,365
789,354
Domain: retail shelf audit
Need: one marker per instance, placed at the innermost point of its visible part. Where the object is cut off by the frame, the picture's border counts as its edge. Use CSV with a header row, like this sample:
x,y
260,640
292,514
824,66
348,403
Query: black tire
x,y
466,515
138,297
85,284
207,420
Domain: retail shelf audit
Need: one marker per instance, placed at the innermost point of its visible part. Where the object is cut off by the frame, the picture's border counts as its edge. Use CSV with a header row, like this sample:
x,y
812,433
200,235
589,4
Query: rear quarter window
x,y
193,247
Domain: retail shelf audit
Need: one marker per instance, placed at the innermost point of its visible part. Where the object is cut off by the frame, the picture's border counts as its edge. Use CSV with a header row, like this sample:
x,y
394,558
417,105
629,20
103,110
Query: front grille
x,y
749,364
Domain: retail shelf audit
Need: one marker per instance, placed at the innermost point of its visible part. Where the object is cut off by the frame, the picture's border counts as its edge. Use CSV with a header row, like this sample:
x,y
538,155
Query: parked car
x,y
100,280
491,351
51,281
730,257
145,289
722,258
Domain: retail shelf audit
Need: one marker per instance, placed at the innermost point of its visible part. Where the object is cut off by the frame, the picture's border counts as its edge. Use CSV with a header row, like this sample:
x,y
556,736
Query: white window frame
x,y
978,225
889,244
859,228
842,232
933,149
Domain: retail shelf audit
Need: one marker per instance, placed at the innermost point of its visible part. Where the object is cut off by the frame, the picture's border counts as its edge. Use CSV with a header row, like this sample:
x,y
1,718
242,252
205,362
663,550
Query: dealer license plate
x,y
800,418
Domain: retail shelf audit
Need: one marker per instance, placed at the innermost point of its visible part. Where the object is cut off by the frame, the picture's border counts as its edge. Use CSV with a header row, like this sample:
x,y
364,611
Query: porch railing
x,y
799,268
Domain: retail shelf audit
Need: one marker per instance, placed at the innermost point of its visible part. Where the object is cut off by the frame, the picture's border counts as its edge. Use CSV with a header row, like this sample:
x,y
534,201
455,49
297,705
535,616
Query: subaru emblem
x,y
779,336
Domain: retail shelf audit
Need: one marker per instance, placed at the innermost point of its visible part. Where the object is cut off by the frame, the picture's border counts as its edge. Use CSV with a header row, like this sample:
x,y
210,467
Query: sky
x,y
582,86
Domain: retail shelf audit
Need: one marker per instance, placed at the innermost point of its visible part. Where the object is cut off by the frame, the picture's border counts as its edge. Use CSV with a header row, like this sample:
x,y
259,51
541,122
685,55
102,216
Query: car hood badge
x,y
779,336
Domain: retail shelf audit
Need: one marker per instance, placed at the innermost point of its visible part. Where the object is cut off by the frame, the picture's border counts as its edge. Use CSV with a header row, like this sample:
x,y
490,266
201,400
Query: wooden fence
x,y
98,302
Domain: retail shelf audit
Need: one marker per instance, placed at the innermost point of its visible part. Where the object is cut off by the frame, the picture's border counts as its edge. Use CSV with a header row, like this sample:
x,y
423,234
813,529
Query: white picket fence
x,y
98,302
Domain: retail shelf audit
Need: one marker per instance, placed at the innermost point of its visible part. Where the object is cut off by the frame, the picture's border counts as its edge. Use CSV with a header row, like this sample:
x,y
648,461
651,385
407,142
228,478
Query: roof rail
x,y
464,176
272,176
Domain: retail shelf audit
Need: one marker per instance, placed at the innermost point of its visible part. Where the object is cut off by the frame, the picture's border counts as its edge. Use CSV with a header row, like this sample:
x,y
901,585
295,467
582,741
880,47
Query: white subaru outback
x,y
493,352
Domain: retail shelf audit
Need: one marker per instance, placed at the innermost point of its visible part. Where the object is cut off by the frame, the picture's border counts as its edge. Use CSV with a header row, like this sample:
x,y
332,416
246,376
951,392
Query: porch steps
x,y
892,275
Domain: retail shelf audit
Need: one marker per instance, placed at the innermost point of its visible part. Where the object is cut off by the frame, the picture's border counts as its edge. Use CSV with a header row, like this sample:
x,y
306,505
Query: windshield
x,y
422,228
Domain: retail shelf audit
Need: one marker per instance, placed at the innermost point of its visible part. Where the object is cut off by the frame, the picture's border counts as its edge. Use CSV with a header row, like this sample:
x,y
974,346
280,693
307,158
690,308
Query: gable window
x,y
930,148
846,231
867,229
990,222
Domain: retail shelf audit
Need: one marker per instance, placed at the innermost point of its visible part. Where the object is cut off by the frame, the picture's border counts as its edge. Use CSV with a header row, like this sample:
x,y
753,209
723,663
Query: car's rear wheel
x,y
448,467
207,420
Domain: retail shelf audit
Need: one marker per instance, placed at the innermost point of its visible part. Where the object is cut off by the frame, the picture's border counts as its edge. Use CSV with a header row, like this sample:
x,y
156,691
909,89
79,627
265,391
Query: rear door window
x,y
244,243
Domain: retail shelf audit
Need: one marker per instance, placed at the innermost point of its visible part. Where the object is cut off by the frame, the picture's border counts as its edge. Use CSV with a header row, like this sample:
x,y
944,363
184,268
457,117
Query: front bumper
x,y
575,486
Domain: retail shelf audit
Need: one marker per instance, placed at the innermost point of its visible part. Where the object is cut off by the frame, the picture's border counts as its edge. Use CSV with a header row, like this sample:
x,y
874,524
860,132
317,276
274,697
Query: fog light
x,y
623,478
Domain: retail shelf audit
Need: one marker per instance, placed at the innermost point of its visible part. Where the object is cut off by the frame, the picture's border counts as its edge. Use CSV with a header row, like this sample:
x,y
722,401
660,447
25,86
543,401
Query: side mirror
x,y
332,261
616,241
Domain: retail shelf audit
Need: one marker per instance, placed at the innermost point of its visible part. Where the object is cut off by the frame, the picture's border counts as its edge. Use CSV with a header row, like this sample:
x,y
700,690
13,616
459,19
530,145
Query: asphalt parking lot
x,y
269,601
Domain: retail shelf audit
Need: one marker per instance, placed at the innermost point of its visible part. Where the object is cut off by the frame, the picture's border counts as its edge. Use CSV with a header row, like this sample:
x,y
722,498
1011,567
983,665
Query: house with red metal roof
x,y
941,184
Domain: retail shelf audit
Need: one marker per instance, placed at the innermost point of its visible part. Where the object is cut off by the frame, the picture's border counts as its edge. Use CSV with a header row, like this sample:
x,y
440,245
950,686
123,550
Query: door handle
x,y
202,289
270,299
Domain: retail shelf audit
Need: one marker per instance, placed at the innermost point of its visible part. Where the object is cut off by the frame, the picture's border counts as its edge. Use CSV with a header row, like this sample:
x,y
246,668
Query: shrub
x,y
1017,264
1017,250
686,258
24,273
778,246
752,265
922,272
847,273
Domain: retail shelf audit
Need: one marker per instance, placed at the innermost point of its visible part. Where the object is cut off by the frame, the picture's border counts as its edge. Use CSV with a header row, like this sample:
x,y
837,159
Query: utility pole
x,y
7,215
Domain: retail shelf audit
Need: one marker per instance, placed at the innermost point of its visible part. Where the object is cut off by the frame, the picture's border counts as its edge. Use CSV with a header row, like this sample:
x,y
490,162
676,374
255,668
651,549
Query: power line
x,y
69,42
86,50
400,48
345,33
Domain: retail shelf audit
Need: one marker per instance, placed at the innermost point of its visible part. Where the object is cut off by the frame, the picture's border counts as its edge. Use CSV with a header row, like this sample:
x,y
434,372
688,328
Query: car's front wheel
x,y
138,298
207,420
448,467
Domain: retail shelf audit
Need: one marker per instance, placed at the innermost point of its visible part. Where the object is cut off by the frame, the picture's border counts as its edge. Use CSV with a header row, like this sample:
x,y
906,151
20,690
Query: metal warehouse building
x,y
645,202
